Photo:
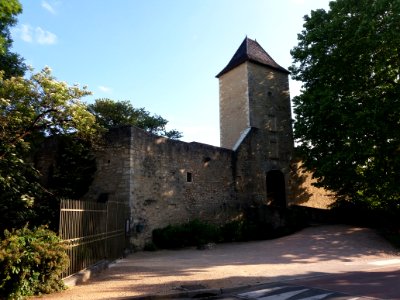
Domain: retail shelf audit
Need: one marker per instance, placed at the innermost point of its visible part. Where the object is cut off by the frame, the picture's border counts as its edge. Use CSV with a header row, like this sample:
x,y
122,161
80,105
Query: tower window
x,y
189,177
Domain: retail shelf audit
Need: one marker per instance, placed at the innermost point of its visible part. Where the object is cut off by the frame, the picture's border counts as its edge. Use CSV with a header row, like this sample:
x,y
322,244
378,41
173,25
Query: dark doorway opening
x,y
276,194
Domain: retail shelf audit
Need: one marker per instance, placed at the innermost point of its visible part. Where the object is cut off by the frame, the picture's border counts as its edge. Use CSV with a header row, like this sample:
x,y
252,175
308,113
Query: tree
x,y
347,117
110,113
11,63
31,110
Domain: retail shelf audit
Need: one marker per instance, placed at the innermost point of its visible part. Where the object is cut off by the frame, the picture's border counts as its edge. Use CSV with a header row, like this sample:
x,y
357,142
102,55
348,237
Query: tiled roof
x,y
251,51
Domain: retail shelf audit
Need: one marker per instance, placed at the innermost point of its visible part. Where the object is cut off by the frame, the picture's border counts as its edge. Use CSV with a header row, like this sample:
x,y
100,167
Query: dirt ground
x,y
310,252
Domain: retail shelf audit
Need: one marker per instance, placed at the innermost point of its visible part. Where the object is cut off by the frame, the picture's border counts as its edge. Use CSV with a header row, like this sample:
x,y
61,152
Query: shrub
x,y
233,231
258,223
201,233
150,246
193,233
31,262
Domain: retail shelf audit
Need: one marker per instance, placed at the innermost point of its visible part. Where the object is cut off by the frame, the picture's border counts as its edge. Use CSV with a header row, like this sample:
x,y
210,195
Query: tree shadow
x,y
298,179
304,192
306,253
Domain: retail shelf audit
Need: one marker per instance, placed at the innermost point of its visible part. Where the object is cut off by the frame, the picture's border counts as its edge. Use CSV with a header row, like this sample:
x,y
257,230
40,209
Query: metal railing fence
x,y
93,232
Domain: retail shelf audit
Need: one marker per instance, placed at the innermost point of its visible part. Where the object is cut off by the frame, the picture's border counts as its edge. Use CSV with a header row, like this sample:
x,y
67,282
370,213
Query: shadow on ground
x,y
313,251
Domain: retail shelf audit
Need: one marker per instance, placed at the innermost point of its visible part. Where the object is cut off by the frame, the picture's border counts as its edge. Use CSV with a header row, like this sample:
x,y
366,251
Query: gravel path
x,y
312,251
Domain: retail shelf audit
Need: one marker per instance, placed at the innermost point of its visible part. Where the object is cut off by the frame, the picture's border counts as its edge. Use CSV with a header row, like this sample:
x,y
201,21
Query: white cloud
x,y
35,35
45,37
104,89
48,7
26,33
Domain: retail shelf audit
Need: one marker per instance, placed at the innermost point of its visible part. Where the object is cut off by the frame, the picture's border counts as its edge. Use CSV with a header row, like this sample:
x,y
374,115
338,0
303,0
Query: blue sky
x,y
159,54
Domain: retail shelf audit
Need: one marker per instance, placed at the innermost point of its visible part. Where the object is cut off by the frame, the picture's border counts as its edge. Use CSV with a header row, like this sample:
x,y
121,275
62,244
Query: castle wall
x,y
233,105
174,182
114,169
166,181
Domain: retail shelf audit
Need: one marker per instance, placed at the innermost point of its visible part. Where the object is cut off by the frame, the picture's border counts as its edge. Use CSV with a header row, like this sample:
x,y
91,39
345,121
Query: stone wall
x,y
174,182
250,169
165,181
169,182
114,169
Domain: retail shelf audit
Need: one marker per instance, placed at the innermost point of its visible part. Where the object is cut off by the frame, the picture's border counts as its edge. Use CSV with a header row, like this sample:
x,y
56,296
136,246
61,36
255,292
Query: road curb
x,y
196,293
84,275
212,292
180,295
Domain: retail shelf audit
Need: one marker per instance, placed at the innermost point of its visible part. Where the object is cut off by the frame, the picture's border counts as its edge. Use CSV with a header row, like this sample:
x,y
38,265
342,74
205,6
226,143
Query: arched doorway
x,y
276,192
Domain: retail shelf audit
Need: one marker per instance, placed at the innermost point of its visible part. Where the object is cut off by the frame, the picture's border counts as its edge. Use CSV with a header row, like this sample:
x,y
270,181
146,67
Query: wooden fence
x,y
93,231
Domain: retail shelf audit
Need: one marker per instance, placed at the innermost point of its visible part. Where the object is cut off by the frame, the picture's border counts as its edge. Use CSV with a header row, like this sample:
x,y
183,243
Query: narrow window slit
x,y
189,177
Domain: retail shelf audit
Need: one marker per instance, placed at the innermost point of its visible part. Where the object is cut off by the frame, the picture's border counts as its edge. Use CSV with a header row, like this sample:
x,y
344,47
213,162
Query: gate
x,y
93,232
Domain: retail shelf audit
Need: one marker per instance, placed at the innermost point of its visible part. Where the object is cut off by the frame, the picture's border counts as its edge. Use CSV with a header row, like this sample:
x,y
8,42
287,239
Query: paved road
x,y
284,291
379,282
311,253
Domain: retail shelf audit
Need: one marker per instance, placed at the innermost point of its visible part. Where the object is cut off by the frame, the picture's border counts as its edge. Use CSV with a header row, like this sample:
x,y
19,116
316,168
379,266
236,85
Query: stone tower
x,y
255,121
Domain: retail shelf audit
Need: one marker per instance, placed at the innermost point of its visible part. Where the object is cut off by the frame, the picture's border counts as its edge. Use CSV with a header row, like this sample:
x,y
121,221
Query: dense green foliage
x,y
193,233
255,224
32,109
11,63
73,167
110,113
347,117
31,263
68,176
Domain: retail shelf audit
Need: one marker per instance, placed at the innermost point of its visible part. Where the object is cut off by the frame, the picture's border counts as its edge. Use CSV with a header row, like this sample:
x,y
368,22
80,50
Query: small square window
x,y
189,177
